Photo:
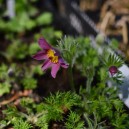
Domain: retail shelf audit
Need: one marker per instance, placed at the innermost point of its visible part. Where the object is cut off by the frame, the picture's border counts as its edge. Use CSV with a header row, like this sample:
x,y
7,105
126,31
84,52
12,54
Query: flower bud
x,y
100,39
113,70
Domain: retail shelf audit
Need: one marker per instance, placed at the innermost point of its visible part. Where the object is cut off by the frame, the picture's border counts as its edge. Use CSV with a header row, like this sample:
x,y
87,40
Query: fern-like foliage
x,y
42,122
3,124
74,121
113,60
11,112
40,115
93,124
104,104
21,124
60,103
66,99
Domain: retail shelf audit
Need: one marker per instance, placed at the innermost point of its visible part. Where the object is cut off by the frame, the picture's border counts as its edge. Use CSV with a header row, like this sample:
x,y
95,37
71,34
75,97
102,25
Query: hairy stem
x,y
88,85
71,79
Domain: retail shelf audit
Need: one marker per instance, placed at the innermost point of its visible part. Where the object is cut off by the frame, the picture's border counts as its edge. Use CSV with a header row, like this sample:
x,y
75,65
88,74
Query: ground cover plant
x,y
88,103
49,80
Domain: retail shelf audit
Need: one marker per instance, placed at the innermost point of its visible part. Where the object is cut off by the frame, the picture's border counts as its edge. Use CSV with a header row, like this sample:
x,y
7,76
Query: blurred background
x,y
74,17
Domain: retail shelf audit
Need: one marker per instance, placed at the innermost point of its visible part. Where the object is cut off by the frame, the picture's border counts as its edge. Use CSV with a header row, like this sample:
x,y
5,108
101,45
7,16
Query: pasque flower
x,y
113,70
51,56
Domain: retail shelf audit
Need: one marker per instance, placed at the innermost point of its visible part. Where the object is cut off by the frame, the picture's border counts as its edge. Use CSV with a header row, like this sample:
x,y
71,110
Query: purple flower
x,y
51,56
113,70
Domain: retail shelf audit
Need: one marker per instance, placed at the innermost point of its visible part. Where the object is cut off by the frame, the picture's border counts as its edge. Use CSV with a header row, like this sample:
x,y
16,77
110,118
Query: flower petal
x,y
44,44
57,52
55,68
63,63
47,64
40,55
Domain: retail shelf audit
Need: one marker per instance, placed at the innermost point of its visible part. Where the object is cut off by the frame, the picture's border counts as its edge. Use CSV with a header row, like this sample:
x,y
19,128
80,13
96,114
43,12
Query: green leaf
x,y
3,71
37,70
4,88
44,19
33,48
30,24
17,50
29,83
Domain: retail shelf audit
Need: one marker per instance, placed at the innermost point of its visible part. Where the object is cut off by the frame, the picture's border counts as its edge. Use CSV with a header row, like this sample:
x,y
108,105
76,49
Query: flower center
x,y
51,56
50,53
54,59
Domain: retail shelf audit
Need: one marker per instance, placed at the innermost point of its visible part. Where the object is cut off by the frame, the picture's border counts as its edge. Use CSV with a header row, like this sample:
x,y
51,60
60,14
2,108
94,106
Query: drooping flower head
x,y
51,56
113,70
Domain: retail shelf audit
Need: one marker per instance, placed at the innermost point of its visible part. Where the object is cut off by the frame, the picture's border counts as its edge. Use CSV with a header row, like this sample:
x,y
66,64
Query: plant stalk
x,y
71,79
88,85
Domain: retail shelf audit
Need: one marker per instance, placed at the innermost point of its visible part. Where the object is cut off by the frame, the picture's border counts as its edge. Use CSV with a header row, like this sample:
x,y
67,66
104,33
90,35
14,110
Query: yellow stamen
x,y
50,53
51,56
54,59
